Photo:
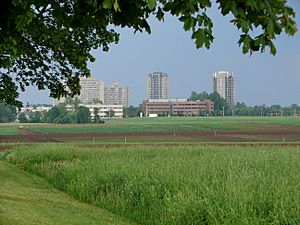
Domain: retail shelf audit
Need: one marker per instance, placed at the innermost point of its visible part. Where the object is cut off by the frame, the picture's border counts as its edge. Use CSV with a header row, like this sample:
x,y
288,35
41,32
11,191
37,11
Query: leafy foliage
x,y
48,43
22,118
83,115
56,112
131,111
241,109
110,113
215,97
35,117
7,113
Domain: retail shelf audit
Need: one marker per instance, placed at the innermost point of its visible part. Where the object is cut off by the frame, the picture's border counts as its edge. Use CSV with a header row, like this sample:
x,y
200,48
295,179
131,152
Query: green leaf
x,y
199,37
107,4
160,14
273,50
244,25
168,6
188,22
151,4
270,26
116,6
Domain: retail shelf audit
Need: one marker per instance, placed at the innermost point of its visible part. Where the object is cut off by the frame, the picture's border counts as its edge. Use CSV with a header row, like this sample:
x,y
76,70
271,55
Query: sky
x,y
260,78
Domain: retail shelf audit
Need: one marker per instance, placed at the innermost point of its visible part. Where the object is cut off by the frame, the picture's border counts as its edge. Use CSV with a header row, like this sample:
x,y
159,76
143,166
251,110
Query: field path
x,y
27,199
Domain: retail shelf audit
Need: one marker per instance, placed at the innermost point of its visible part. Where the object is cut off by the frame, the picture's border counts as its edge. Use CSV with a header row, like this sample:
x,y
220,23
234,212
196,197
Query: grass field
x,y
199,184
287,120
9,131
27,200
246,176
165,124
141,128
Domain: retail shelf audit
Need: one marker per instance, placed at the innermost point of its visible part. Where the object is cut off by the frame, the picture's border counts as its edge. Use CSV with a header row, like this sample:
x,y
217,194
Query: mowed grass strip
x,y
9,131
27,199
175,185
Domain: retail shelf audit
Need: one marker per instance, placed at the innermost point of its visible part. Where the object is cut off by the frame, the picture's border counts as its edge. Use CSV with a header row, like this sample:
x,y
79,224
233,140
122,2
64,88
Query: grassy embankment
x,y
175,185
27,199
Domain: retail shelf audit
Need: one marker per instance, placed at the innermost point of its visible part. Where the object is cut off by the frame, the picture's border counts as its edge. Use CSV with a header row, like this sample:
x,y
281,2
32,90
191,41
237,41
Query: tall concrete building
x,y
224,84
117,95
157,86
91,90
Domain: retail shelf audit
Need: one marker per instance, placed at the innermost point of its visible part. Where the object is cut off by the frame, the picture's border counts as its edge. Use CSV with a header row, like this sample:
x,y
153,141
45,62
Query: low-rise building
x,y
177,107
37,108
105,111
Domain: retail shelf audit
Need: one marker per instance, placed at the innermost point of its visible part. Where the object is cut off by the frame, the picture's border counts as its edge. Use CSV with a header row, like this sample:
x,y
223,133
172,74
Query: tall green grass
x,y
175,185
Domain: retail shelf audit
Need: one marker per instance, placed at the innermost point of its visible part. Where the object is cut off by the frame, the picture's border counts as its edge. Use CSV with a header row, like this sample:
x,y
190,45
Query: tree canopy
x,y
83,115
7,113
48,43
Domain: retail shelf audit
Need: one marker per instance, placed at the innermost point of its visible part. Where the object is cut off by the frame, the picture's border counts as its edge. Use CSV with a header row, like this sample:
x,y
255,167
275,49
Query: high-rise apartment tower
x,y
157,86
91,90
117,95
224,84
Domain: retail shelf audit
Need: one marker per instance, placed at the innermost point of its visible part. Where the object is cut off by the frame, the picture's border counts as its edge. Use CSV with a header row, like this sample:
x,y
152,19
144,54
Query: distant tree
x,y
194,96
215,97
72,101
44,118
53,114
35,117
56,112
97,118
242,109
22,118
73,116
83,115
110,113
219,103
7,113
97,101
69,100
63,119
294,109
201,96
76,103
130,111
275,110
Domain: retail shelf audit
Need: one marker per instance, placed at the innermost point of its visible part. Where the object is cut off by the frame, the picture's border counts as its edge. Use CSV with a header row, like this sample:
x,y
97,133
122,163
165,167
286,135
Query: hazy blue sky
x,y
260,78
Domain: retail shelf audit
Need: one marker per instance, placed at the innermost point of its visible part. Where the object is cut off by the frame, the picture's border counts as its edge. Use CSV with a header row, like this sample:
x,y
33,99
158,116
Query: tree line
x,y
241,109
59,114
8,113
